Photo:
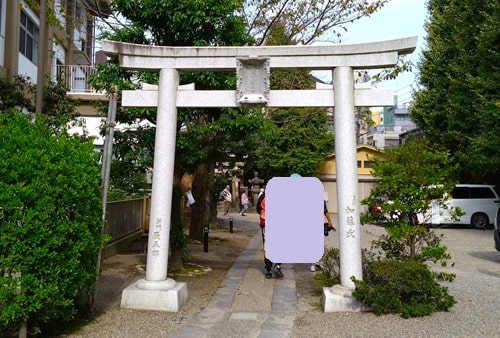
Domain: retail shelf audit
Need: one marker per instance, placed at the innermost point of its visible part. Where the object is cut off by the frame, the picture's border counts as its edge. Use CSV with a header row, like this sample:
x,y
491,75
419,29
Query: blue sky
x,y
399,18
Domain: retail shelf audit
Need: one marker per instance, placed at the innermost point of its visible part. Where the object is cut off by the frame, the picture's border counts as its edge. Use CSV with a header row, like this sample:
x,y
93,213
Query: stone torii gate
x,y
253,65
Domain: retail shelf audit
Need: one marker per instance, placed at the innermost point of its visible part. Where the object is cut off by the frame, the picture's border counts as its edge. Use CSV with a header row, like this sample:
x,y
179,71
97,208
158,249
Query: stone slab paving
x,y
247,304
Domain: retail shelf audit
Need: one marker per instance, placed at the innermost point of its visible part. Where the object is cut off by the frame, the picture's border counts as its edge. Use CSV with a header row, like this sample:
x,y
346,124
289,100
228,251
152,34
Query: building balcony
x,y
76,79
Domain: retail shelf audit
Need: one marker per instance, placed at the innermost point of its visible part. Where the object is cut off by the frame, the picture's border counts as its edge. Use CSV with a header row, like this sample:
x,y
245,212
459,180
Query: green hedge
x,y
51,217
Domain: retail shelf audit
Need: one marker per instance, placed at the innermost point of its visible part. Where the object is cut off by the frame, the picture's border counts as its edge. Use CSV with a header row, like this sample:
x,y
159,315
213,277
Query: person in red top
x,y
268,264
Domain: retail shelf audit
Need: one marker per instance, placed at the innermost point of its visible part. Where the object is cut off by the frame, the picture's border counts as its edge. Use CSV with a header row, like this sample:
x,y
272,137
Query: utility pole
x,y
105,172
42,52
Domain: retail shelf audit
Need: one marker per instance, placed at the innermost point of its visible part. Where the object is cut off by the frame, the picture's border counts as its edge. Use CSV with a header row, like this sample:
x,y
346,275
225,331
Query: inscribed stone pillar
x,y
163,176
347,176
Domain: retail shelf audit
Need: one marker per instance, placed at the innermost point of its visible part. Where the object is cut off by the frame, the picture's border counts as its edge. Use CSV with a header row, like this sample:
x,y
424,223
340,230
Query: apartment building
x,y
67,47
393,122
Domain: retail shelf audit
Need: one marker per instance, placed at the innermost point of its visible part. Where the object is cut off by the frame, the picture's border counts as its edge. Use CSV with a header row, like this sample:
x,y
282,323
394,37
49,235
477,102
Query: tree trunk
x,y
413,247
212,196
176,247
198,209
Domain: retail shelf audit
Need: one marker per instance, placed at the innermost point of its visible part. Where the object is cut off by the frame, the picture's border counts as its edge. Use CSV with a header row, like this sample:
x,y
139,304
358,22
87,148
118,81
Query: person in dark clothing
x,y
329,227
268,264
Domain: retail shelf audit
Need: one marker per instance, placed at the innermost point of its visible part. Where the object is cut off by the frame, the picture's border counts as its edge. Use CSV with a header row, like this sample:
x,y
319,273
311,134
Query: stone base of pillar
x,y
339,299
159,296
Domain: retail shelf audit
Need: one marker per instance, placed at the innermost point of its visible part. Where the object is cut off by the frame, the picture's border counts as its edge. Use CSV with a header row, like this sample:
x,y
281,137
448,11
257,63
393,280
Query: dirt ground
x,y
205,272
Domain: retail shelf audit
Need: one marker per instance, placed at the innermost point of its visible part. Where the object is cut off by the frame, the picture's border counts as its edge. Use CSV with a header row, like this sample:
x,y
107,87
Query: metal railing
x,y
124,218
76,77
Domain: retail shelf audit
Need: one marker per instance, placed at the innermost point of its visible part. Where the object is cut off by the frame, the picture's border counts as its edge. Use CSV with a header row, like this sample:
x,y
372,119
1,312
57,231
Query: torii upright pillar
x,y
338,297
157,292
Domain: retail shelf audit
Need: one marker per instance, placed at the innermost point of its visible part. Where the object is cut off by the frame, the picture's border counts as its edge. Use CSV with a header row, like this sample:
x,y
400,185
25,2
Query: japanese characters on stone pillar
x,y
155,245
350,222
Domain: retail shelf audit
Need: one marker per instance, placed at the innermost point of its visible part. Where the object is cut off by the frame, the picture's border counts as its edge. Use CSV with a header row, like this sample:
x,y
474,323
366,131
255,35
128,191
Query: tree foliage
x,y
305,21
177,23
19,93
186,23
458,107
298,140
298,143
133,146
59,109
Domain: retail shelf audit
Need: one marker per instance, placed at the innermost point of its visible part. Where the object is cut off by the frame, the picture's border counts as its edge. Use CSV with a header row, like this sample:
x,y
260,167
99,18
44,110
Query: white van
x,y
477,201
496,229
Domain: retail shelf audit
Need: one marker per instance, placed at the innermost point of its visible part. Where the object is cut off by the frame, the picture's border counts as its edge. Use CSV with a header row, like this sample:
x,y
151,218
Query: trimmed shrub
x,y
405,287
51,218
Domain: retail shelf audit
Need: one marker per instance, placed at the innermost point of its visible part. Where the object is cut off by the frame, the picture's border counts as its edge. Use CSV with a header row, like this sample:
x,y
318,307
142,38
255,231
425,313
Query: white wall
x,y
59,54
365,185
27,68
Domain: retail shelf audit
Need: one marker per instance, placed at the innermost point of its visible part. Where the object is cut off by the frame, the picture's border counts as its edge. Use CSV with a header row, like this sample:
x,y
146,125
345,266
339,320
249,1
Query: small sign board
x,y
252,81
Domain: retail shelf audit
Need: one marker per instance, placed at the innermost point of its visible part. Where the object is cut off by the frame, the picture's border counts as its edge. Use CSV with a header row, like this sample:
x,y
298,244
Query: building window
x,y
368,164
59,71
359,164
28,38
78,12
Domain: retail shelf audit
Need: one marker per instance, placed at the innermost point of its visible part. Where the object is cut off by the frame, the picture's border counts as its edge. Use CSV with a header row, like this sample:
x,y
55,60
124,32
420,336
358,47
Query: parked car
x,y
376,208
477,202
496,230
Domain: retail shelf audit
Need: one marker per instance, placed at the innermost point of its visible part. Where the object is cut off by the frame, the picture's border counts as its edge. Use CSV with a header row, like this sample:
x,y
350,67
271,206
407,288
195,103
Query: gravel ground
x,y
122,270
475,289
